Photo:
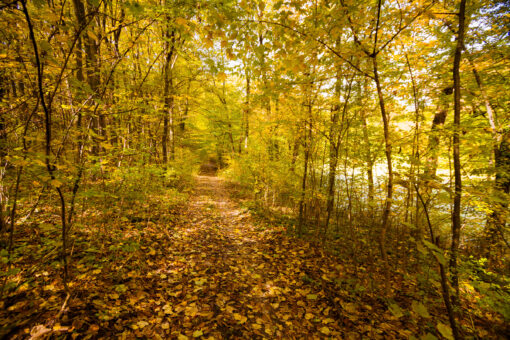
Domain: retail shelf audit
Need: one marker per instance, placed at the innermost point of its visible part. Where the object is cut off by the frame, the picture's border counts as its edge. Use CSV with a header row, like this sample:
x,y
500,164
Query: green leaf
x,y
428,336
445,331
431,245
396,310
440,257
420,309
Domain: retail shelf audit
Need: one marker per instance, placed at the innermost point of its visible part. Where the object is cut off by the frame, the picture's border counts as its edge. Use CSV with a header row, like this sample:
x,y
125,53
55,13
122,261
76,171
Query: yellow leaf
x,y
208,43
222,76
328,320
191,311
256,326
142,324
230,54
182,337
200,282
167,309
165,325
242,319
56,183
93,328
92,35
181,21
197,334
49,287
325,330
308,316
349,307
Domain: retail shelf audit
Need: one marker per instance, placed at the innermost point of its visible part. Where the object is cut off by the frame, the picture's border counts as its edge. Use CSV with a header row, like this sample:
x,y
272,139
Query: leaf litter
x,y
210,270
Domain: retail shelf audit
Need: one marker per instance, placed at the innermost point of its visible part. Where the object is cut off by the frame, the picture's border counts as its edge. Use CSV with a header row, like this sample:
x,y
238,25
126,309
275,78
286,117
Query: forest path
x,y
243,279
204,269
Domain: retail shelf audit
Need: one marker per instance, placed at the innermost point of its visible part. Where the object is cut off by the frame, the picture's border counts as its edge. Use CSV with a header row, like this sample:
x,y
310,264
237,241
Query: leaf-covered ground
x,y
207,269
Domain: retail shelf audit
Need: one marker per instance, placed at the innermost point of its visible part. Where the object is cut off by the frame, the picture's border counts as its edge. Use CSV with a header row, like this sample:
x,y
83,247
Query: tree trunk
x,y
184,117
168,97
336,134
307,143
369,161
499,214
3,128
456,219
246,116
387,151
333,161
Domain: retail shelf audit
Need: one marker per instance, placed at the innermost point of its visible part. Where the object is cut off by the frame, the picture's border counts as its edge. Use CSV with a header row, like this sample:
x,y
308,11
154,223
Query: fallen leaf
x,y
241,318
142,324
396,310
325,330
420,309
445,330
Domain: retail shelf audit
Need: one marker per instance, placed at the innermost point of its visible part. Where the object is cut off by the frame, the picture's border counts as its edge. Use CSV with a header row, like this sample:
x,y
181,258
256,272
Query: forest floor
x,y
207,270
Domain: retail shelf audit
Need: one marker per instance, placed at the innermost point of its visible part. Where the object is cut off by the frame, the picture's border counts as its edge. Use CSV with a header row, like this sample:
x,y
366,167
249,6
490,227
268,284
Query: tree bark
x,y
387,151
456,218
246,115
168,97
336,134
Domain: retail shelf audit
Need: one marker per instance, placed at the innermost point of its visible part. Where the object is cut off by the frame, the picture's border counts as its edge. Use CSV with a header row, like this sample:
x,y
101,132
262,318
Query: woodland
x,y
220,169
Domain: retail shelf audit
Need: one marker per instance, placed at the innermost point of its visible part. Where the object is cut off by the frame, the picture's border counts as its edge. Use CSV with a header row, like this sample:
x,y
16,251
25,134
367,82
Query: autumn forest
x,y
225,169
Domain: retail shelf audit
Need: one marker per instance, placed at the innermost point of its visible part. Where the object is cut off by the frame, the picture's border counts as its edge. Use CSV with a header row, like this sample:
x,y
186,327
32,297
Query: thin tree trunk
x,y
168,98
246,114
387,151
184,117
456,218
387,144
336,135
369,161
303,182
47,149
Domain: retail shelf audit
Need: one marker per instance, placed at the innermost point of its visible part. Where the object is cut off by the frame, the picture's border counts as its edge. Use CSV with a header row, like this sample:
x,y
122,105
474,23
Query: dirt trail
x,y
245,280
207,269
